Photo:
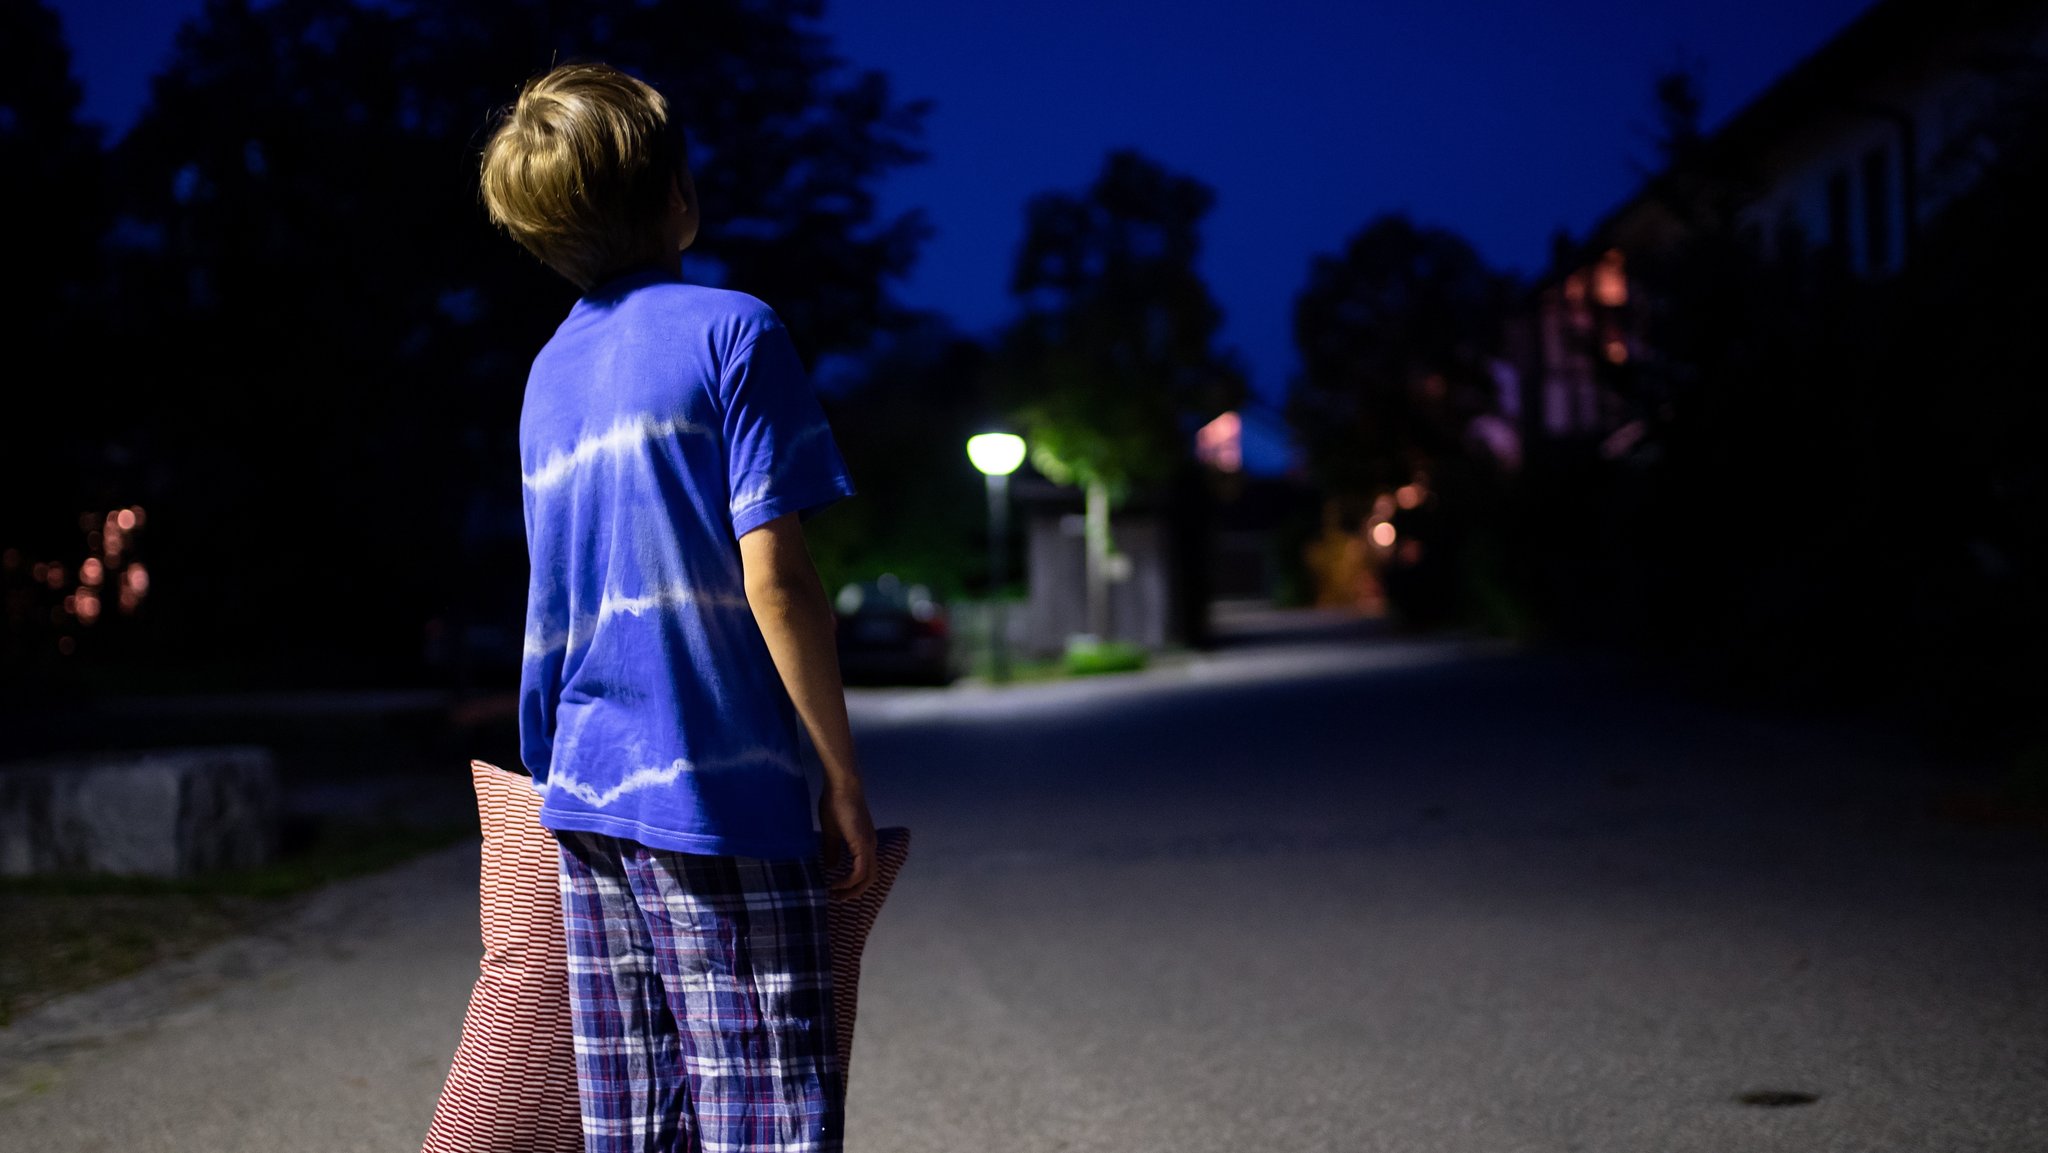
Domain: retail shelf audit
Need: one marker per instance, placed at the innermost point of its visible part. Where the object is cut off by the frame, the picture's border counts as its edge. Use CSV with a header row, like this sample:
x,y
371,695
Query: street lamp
x,y
997,455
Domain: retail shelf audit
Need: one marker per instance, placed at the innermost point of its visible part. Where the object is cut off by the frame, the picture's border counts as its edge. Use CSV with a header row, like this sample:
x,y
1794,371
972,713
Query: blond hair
x,y
578,171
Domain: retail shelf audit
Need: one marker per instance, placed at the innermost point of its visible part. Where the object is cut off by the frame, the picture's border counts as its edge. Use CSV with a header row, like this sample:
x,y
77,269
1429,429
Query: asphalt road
x,y
1310,893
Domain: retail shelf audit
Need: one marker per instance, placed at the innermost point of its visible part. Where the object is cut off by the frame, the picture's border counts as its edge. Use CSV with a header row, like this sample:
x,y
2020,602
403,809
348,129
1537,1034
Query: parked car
x,y
892,633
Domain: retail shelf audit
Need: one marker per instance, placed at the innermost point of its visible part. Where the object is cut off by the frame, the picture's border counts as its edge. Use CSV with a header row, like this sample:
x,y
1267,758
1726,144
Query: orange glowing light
x,y
54,576
1220,443
1383,534
129,600
1610,279
137,578
1408,495
1617,352
88,608
91,571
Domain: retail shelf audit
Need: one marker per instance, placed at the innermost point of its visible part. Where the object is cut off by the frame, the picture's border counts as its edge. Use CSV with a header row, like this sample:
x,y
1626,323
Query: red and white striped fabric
x,y
512,1086
847,924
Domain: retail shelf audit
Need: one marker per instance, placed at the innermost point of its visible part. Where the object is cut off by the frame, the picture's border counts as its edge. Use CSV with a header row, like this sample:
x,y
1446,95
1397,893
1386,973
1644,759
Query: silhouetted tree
x,y
902,420
1395,335
52,193
327,342
51,198
1688,175
1678,99
52,463
1114,358
1117,339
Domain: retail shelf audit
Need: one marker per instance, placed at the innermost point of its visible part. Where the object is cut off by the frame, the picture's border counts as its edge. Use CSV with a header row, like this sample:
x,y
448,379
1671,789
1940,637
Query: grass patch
x,y
70,932
1023,671
1082,658
62,943
1089,658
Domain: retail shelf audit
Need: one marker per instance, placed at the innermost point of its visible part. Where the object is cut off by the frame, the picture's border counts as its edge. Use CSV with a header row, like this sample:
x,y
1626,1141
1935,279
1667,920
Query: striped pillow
x,y
847,924
512,1086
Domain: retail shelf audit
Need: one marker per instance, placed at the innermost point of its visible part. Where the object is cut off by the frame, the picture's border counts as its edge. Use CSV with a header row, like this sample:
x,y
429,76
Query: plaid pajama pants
x,y
701,996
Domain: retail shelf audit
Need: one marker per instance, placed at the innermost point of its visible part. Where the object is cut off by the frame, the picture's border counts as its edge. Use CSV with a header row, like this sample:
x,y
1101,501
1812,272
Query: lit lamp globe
x,y
996,453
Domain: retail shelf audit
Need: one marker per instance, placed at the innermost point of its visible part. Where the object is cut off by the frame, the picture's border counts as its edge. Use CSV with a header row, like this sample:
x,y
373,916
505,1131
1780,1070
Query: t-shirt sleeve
x,y
780,455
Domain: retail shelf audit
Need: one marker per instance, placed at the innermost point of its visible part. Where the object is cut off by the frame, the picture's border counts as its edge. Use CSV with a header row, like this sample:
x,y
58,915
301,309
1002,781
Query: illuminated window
x,y
1610,280
1220,443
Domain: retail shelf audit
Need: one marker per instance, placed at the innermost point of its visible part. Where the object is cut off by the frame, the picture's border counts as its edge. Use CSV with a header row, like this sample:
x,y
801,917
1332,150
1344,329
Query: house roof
x,y
1873,45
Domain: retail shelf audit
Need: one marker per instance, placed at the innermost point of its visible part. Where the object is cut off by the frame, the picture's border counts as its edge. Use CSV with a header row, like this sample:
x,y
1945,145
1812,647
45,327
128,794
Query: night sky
x,y
1503,121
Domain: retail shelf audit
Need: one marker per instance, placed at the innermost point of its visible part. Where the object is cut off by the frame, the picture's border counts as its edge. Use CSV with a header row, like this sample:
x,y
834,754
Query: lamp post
x,y
997,455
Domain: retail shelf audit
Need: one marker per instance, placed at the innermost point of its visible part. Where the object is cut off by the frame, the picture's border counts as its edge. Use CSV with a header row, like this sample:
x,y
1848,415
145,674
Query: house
x,y
1843,158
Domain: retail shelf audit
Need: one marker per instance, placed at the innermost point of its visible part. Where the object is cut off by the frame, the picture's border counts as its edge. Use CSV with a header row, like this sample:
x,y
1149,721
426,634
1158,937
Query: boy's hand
x,y
849,836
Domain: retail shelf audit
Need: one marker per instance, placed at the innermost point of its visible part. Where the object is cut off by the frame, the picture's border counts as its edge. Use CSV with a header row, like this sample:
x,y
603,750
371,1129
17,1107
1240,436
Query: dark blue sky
x,y
1501,119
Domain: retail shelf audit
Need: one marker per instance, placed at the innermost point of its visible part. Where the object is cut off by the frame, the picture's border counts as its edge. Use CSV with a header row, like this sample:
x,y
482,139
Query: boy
x,y
677,632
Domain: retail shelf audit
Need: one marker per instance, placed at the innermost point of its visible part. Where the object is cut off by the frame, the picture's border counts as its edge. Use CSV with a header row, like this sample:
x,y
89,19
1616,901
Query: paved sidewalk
x,y
329,1030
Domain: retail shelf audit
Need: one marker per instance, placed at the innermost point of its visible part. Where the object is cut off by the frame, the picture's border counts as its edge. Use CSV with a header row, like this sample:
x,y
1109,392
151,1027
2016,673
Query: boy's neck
x,y
645,271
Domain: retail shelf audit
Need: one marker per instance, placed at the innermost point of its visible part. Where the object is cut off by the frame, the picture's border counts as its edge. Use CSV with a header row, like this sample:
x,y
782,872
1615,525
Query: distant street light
x,y
997,455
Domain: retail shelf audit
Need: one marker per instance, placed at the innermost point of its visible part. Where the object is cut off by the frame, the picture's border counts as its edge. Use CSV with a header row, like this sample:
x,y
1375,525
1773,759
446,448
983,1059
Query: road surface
x,y
1311,892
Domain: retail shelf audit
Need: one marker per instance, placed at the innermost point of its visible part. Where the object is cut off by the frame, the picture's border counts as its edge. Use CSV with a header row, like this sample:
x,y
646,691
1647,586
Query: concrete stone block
x,y
158,813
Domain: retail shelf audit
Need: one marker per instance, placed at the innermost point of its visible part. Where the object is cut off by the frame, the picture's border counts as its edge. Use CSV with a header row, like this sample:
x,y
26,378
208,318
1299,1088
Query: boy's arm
x,y
796,620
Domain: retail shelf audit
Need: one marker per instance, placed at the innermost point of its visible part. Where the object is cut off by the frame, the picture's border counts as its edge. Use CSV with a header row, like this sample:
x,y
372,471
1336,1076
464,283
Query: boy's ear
x,y
682,208
682,192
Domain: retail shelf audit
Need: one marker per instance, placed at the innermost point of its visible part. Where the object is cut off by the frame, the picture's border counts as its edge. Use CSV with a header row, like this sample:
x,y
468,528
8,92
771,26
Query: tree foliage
x,y
52,195
309,330
902,422
1394,334
1115,352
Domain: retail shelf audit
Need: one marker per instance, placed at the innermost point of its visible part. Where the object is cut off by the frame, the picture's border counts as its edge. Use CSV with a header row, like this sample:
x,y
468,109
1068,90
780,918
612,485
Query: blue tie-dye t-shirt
x,y
662,422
